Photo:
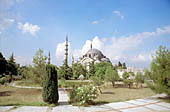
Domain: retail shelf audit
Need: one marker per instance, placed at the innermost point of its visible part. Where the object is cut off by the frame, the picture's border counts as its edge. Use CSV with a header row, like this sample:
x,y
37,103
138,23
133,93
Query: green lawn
x,y
27,83
111,94
19,96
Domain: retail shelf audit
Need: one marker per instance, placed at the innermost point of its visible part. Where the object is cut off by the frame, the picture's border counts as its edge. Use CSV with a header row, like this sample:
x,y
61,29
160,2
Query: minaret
x,y
72,59
91,46
66,59
66,51
49,58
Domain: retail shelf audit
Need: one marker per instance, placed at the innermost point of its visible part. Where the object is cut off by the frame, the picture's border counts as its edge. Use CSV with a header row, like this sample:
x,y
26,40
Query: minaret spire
x,y
49,58
91,46
72,59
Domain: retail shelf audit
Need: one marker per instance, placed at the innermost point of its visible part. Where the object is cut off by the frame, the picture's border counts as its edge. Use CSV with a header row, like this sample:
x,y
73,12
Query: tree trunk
x,y
100,90
113,84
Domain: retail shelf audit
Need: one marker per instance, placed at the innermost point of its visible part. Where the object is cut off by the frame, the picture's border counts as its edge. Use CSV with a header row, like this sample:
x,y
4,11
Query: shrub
x,y
83,95
3,80
50,85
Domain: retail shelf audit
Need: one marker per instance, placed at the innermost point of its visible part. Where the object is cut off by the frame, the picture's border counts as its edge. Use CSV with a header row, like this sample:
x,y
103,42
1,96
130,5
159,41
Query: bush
x,y
83,95
50,85
3,80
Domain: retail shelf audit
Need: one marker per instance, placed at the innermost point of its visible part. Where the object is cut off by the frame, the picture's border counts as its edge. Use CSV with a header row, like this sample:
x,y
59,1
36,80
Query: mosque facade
x,y
92,55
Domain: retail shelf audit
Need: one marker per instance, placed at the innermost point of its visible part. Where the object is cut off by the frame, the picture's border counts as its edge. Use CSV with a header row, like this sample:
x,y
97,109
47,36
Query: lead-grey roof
x,y
96,52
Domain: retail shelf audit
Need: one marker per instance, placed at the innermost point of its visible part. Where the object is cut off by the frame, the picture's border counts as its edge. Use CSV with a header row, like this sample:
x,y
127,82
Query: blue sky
x,y
124,30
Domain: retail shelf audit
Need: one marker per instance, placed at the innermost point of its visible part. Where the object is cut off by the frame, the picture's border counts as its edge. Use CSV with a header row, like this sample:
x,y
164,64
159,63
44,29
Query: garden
x,y
100,84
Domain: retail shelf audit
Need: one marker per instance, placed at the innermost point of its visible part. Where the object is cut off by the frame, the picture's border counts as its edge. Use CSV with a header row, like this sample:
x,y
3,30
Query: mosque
x,y
92,55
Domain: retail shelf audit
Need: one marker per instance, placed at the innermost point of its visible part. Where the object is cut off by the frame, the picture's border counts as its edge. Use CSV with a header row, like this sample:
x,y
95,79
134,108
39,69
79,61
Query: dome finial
x,y
91,46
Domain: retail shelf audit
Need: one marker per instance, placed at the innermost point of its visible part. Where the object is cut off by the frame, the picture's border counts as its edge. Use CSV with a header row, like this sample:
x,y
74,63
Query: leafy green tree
x,y
127,80
78,69
98,82
3,64
139,78
111,75
50,85
100,69
160,71
26,72
39,69
125,75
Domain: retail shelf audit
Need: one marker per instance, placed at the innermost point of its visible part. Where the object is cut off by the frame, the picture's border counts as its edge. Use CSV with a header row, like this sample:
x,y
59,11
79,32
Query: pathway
x,y
150,104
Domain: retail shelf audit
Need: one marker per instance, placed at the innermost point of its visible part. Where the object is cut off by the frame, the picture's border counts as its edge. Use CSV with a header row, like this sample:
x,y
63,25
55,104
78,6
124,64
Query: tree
x,y
119,64
50,85
139,78
125,75
11,66
100,69
39,69
91,70
160,71
127,80
111,75
78,69
124,66
3,64
147,74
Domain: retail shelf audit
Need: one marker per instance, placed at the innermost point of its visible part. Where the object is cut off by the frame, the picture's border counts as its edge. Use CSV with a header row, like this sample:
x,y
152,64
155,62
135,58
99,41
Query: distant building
x,y
92,55
129,69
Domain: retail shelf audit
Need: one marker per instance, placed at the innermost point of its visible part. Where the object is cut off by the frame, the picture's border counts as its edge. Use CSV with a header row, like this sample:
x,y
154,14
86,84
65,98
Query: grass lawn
x,y
111,94
20,96
26,83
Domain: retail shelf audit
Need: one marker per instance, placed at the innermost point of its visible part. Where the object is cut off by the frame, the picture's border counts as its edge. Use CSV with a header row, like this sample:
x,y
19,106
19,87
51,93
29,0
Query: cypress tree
x,y
50,85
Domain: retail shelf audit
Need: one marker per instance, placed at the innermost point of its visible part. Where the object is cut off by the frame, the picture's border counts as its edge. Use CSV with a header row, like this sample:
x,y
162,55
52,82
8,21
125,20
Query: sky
x,y
129,31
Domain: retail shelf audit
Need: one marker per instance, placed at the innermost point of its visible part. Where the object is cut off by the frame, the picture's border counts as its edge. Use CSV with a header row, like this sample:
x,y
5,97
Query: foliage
x,y
39,69
97,81
119,64
3,80
3,64
147,74
71,83
65,72
12,68
127,80
60,72
61,83
160,71
91,69
78,69
124,66
139,78
50,85
100,69
125,75
84,95
111,75
27,73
